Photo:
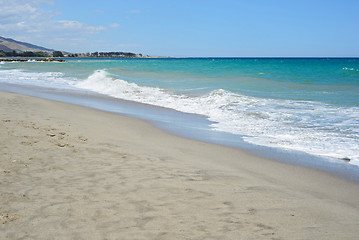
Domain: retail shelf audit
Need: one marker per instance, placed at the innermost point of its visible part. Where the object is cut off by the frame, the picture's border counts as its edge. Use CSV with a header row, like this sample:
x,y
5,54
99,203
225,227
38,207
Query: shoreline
x,y
274,129
76,172
188,126
31,59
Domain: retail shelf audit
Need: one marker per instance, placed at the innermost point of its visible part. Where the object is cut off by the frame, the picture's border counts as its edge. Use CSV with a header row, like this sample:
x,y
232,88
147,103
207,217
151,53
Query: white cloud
x,y
26,20
78,27
21,24
20,10
114,25
68,24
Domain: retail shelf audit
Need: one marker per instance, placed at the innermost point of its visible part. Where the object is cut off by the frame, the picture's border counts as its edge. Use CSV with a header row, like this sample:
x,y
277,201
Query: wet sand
x,y
69,172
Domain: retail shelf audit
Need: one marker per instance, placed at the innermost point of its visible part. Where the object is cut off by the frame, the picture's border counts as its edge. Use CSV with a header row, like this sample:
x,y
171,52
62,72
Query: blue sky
x,y
232,28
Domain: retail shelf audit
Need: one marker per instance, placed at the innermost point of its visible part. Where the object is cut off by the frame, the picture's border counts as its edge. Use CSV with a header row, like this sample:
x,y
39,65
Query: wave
x,y
312,127
350,69
45,79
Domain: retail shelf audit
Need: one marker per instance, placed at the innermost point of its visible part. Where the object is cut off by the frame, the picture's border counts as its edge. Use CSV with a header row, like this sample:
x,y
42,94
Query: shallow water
x,y
309,106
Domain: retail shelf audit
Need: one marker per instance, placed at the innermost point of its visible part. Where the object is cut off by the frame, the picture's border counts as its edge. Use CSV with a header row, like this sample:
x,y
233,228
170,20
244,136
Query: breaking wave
x,y
312,127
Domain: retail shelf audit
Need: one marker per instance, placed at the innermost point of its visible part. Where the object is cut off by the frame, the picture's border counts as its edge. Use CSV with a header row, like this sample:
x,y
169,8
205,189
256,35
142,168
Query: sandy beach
x,y
69,172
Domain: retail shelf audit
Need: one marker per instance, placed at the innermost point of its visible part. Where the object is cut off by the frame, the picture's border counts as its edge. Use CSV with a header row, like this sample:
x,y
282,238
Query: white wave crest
x,y
350,69
312,127
46,79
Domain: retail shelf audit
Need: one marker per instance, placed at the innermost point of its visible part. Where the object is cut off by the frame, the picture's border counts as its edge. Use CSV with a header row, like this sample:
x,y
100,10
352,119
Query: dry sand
x,y
68,172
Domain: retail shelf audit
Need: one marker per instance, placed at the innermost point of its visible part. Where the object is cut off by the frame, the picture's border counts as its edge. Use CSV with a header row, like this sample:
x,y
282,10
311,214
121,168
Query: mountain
x,y
9,45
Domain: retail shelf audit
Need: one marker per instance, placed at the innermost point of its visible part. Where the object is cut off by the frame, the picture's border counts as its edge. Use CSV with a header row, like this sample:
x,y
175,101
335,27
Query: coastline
x,y
186,125
74,172
283,129
31,59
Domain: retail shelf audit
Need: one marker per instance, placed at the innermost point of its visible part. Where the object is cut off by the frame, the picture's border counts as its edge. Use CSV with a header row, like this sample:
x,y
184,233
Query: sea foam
x,y
312,127
316,128
44,79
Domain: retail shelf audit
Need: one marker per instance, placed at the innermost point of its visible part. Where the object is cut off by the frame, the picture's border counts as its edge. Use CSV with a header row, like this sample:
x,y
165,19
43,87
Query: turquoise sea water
x,y
305,105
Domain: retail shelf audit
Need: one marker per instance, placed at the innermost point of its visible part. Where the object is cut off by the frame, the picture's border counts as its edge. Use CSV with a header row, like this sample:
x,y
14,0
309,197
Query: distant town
x,y
106,55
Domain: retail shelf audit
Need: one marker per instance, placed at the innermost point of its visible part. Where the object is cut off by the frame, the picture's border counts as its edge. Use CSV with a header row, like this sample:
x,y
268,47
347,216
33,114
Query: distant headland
x,y
12,48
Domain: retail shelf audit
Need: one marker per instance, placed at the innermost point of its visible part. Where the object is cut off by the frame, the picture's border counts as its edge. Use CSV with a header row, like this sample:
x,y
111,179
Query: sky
x,y
188,28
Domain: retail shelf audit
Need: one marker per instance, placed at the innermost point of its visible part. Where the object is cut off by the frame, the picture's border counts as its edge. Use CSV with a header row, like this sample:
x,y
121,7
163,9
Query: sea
x,y
299,110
